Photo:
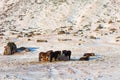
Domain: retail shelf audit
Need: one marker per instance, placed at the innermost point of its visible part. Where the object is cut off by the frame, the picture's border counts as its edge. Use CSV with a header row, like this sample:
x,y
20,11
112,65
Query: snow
x,y
25,65
47,18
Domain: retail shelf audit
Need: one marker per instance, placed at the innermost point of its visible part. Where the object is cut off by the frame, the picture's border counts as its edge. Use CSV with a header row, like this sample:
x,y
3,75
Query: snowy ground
x,y
91,26
25,65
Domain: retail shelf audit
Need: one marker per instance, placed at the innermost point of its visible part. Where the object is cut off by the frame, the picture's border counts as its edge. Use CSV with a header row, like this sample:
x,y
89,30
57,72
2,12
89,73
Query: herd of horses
x,y
64,55
55,55
48,56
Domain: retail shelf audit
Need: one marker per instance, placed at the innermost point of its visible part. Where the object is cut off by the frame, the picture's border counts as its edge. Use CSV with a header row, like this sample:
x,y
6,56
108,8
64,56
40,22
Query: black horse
x,y
54,54
67,53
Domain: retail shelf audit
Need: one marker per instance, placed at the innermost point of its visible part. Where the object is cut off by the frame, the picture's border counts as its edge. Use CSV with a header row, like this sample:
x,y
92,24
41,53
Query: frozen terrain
x,y
25,65
78,25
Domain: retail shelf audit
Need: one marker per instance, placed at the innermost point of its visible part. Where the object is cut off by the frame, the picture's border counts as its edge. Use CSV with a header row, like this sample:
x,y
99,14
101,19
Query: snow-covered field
x,y
78,25
25,65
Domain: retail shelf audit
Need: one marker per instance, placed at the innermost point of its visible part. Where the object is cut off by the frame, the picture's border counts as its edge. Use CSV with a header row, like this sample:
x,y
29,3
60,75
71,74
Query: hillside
x,y
51,14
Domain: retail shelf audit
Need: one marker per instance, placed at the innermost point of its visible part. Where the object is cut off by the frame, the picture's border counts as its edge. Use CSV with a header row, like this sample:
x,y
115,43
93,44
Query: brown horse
x,y
44,56
89,54
84,58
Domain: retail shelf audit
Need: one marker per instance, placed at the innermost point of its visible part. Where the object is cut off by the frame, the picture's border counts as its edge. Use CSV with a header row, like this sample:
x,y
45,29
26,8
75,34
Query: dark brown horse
x,y
67,53
89,54
54,55
84,58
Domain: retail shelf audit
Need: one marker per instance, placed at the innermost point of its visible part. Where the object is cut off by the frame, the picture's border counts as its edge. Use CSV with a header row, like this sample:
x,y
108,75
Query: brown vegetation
x,y
42,40
61,32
